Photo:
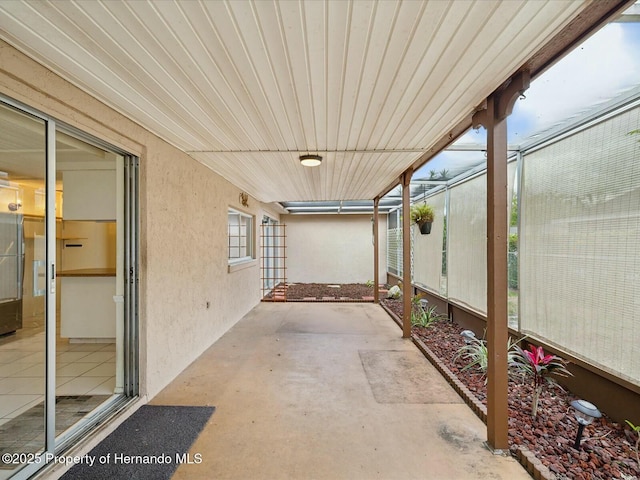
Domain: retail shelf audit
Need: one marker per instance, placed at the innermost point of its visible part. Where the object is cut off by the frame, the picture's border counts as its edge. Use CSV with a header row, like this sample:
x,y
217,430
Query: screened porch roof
x,y
246,87
467,157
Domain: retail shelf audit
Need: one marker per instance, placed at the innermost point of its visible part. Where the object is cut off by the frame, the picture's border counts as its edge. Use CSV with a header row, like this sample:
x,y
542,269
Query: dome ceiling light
x,y
310,160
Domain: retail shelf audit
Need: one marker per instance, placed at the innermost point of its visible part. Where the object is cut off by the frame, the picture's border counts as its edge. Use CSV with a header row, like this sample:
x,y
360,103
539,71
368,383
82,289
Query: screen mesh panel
x,y
467,231
580,245
427,249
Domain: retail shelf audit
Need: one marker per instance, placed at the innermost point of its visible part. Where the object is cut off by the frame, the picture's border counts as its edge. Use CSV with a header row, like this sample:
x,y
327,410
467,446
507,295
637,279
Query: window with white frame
x,y
240,232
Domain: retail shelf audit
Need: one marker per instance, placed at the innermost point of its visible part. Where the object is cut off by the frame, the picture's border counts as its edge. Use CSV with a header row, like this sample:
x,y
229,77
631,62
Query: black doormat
x,y
150,444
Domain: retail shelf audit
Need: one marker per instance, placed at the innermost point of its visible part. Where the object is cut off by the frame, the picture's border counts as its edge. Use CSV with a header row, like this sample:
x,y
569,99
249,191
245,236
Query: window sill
x,y
234,267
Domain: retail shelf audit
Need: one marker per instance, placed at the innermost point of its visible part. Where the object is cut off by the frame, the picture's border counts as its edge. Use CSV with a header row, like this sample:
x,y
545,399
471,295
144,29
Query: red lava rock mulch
x,y
607,448
318,292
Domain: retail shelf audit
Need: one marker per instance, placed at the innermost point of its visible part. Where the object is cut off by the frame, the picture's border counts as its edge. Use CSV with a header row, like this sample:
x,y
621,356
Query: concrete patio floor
x,y
328,391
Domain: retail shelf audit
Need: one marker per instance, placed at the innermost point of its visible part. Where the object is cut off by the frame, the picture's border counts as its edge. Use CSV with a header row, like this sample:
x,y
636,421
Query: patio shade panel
x,y
579,244
467,239
427,249
467,255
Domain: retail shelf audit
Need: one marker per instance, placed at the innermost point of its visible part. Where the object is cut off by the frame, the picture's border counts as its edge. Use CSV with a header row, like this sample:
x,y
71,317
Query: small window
x,y
240,230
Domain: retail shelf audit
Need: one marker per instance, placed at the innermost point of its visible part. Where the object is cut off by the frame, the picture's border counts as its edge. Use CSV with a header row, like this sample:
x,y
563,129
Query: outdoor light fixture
x,y
468,336
310,160
585,413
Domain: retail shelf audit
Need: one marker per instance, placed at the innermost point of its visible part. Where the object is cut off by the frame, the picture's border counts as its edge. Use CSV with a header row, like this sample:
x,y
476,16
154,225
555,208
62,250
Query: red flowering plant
x,y
540,367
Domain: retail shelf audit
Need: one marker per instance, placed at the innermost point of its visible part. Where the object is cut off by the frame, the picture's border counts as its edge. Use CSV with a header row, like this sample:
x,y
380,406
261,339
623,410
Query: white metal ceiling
x,y
245,86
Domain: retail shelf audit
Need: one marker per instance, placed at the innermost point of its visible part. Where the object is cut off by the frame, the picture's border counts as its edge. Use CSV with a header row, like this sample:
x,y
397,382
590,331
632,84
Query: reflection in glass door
x,y
68,285
68,312
23,288
89,340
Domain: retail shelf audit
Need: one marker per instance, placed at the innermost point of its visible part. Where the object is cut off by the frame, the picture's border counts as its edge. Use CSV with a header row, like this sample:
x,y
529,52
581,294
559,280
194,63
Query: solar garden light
x,y
585,413
423,303
468,336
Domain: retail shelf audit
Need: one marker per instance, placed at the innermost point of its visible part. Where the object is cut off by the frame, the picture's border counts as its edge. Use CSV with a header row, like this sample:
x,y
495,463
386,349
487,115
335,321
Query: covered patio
x,y
216,105
328,391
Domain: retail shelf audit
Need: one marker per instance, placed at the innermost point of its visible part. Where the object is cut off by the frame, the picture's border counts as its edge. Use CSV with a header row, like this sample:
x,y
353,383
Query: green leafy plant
x,y
422,213
415,300
512,262
636,428
513,220
425,317
476,354
539,367
369,283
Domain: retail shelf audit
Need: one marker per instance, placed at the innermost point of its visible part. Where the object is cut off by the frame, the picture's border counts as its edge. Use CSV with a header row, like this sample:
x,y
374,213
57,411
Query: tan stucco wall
x,y
183,226
333,248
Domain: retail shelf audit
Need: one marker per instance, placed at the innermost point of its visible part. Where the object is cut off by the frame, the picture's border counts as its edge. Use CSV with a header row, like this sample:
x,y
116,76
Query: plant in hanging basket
x,y
422,215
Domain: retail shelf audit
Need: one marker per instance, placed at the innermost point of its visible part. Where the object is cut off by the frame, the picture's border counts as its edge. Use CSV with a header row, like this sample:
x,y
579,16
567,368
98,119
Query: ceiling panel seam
x,y
445,100
245,100
283,36
277,85
80,83
211,63
395,36
357,92
307,60
414,56
180,103
406,118
134,79
343,72
189,79
264,128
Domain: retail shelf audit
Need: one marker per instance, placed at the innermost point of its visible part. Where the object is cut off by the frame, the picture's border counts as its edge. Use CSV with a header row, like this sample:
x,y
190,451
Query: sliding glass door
x,y
24,292
68,285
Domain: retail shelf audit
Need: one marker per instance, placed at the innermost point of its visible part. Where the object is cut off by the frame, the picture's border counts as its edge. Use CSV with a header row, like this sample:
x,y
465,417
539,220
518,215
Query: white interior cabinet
x,y
89,194
88,311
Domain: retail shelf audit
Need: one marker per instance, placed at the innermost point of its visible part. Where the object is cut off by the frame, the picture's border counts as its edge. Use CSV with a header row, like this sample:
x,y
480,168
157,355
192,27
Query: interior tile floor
x,y
81,369
85,377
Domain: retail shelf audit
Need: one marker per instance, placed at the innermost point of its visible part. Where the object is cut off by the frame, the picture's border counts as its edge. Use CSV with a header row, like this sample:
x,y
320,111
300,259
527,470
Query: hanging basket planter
x,y
422,215
425,228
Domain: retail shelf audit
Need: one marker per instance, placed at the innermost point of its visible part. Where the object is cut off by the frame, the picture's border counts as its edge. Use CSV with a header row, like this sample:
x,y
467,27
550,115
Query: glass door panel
x,y
88,235
22,287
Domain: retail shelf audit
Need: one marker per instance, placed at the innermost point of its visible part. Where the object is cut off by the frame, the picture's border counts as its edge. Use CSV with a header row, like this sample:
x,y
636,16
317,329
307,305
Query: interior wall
x,y
333,248
183,231
87,245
